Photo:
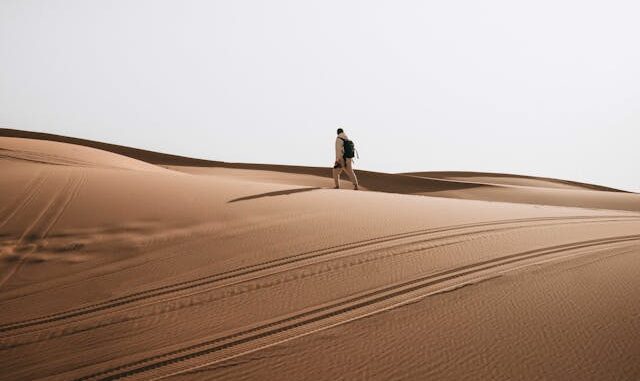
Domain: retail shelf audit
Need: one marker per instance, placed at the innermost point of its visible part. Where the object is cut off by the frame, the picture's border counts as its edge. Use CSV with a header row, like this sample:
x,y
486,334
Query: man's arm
x,y
339,149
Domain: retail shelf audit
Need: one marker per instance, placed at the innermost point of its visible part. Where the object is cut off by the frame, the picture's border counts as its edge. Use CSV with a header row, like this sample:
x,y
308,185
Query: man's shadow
x,y
276,193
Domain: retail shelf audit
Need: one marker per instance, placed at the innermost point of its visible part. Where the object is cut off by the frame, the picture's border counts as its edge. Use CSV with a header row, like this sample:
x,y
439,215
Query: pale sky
x,y
547,88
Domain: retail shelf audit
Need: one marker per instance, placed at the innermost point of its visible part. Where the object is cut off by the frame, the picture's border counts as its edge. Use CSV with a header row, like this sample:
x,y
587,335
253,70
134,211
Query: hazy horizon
x,y
547,89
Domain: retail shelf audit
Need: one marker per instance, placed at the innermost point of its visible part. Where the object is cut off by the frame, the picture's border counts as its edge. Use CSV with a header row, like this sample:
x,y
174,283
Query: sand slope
x,y
509,179
113,266
462,185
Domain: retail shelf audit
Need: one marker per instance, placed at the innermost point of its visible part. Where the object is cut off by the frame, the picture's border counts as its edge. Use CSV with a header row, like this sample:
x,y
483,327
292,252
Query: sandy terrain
x,y
123,263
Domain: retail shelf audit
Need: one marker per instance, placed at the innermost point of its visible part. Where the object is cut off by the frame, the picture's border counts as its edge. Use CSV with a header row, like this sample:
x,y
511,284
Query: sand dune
x,y
509,179
416,185
124,263
462,185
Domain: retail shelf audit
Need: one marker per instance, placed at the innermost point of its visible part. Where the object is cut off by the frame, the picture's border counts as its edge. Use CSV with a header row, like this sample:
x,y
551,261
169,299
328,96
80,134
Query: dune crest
x,y
459,185
59,153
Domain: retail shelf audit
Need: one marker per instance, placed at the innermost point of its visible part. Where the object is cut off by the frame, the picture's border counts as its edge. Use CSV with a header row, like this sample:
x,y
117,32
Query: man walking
x,y
344,159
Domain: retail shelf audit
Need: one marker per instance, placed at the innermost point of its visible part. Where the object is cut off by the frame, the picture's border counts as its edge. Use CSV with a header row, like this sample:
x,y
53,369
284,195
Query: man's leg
x,y
351,173
336,176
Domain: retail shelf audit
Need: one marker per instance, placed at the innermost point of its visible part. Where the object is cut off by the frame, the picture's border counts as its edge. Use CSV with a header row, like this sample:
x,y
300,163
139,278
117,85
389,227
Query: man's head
x,y
340,130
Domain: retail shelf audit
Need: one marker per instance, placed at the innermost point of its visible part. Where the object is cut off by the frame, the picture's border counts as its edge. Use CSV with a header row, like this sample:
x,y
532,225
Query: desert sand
x,y
120,263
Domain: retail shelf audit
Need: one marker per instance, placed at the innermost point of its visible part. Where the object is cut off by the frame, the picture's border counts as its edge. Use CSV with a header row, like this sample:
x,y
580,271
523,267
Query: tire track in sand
x,y
248,271
38,230
326,316
241,286
28,194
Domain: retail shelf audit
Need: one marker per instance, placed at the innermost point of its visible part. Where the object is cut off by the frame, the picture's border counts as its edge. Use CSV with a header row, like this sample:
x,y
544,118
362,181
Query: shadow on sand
x,y
276,193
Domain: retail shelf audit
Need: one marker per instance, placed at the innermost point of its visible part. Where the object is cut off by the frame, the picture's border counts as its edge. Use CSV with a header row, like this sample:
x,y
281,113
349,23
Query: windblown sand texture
x,y
118,263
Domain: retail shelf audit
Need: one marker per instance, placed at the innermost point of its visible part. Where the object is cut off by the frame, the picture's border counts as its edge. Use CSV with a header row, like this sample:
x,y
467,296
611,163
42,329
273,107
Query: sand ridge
x,y
113,266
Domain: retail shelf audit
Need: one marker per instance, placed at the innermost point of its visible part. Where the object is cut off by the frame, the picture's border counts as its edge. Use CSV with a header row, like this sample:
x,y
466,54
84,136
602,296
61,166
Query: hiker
x,y
345,152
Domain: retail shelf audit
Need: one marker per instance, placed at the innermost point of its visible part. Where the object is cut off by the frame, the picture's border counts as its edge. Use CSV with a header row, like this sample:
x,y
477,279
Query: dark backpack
x,y
349,148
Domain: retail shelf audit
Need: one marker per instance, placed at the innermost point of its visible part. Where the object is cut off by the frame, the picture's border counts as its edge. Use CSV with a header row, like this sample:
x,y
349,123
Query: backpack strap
x,y
343,141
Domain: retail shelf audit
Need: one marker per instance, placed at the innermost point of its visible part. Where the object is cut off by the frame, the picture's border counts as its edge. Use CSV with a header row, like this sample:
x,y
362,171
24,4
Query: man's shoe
x,y
355,187
336,187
